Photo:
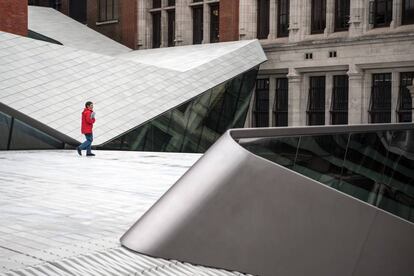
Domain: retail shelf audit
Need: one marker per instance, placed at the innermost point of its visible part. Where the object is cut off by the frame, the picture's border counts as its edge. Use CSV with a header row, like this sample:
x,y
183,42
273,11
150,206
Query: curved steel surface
x,y
238,211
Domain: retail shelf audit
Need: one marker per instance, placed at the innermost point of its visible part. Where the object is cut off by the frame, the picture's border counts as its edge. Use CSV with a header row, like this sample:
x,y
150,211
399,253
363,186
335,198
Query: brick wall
x,y
124,30
13,16
229,20
128,18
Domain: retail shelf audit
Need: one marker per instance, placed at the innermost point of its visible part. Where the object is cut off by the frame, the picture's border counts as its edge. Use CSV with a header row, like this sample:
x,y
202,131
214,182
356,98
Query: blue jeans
x,y
87,144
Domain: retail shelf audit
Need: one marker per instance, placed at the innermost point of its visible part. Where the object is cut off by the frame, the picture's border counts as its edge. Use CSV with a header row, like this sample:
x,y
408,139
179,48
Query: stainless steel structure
x,y
236,210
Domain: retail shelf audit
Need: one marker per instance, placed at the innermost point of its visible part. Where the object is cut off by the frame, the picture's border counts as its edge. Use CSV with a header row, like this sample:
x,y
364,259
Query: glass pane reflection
x,y
195,125
376,167
5,123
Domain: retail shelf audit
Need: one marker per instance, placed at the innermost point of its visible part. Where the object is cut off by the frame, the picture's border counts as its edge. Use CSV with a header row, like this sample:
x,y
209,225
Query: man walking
x,y
88,119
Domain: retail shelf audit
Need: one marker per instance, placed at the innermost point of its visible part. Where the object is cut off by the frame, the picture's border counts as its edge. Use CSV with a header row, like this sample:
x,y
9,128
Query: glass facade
x,y
376,167
16,135
195,125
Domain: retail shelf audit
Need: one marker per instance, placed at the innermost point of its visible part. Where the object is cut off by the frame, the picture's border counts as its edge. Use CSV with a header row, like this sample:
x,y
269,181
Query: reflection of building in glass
x,y
171,99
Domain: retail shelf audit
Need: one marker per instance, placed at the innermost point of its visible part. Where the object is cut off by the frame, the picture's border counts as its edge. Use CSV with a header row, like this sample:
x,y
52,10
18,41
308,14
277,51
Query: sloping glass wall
x,y
195,125
16,135
376,167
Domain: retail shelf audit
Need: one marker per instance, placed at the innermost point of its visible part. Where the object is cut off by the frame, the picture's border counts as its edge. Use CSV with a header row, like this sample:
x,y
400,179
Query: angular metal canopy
x,y
292,201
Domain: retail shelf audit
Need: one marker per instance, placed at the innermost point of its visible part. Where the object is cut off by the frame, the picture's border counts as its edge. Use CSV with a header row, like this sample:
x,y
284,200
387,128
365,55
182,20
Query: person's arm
x,y
89,118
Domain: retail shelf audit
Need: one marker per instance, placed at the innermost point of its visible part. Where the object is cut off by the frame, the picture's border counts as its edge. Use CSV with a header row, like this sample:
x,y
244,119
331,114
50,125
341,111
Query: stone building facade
x,y
337,62
329,61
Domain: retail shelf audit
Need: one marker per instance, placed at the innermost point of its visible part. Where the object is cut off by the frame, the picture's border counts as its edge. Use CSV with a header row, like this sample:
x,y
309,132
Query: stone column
x,y
164,24
355,95
248,19
330,17
294,111
356,19
294,21
396,13
328,97
206,23
395,90
184,23
272,93
305,18
144,22
273,19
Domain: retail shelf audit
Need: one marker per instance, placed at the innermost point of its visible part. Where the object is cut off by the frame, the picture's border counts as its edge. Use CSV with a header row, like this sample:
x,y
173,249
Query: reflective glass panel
x,y
321,157
195,125
376,167
5,123
27,137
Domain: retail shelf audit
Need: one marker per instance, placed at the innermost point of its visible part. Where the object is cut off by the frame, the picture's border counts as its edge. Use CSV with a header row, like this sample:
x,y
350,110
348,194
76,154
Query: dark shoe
x,y
79,151
90,154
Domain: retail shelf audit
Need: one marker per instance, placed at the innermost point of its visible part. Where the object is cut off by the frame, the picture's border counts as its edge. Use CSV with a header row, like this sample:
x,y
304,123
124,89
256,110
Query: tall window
x,y
408,12
339,103
263,7
318,16
197,25
404,98
316,101
171,3
280,106
380,13
156,4
261,104
380,107
77,11
214,23
342,11
156,29
171,28
283,18
108,10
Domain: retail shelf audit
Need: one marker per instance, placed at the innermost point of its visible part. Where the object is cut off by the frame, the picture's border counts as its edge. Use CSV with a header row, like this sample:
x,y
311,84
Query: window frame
x,y
318,19
115,11
342,15
283,18
315,109
281,102
261,104
381,83
340,100
263,19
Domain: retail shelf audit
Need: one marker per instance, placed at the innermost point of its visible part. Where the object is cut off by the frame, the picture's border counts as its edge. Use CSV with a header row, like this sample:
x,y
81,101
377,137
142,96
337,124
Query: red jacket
x,y
87,121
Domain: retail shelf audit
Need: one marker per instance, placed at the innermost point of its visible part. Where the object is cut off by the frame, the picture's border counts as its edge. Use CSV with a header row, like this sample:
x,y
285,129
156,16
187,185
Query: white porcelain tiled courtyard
x,y
64,214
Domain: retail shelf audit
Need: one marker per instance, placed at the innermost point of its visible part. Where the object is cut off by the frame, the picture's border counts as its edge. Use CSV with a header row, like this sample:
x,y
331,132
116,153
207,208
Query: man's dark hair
x,y
87,104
